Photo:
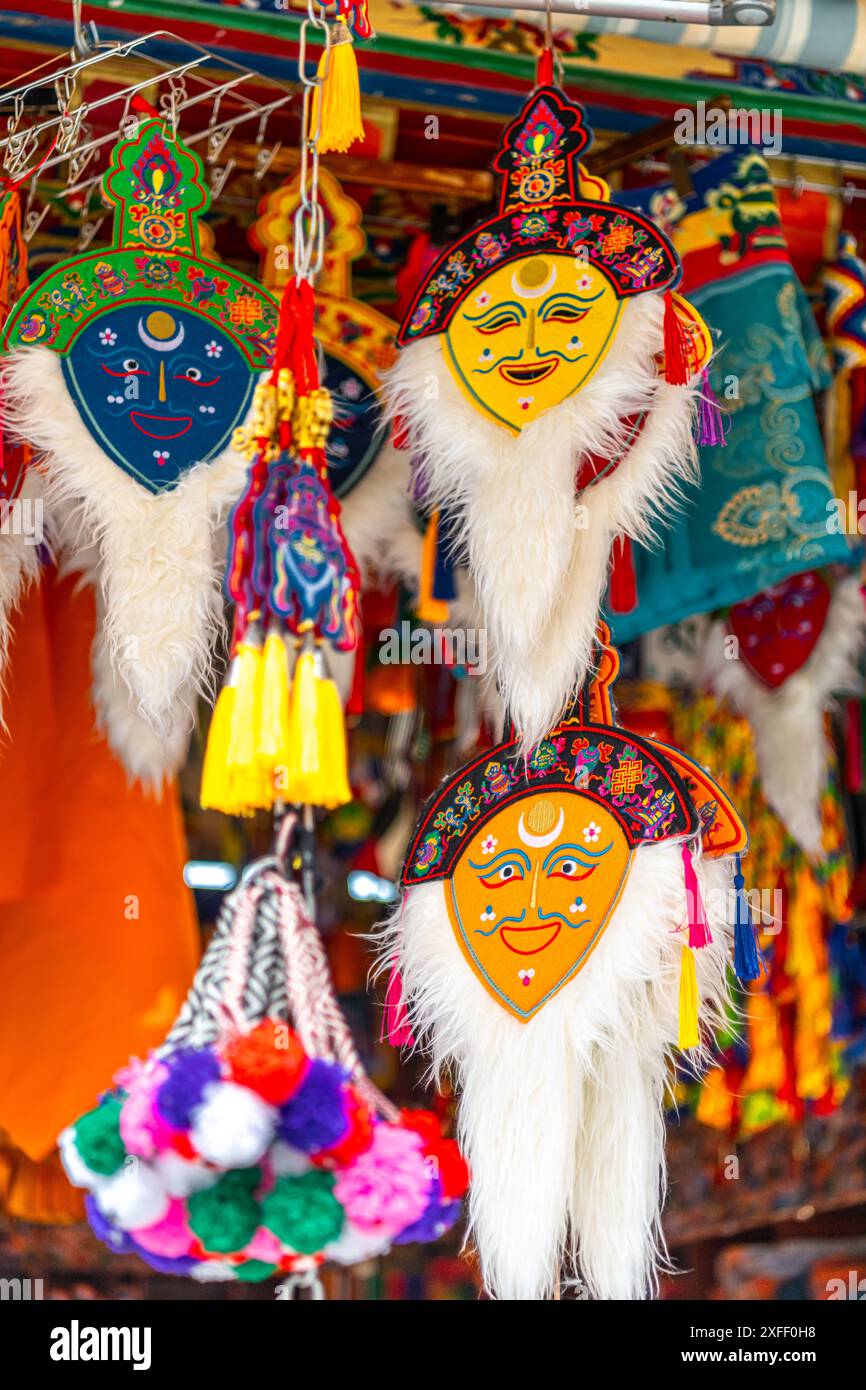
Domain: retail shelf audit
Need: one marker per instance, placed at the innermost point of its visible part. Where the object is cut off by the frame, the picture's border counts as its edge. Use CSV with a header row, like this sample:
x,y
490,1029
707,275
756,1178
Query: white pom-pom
x,y
289,1162
133,1197
233,1126
182,1176
77,1170
355,1246
212,1272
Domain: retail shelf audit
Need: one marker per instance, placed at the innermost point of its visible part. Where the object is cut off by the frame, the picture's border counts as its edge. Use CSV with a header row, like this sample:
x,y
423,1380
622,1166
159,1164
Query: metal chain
x,y
309,220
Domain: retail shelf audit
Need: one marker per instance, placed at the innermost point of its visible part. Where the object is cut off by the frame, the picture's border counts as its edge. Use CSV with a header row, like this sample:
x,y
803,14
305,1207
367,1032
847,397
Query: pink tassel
x,y
699,927
395,1022
711,418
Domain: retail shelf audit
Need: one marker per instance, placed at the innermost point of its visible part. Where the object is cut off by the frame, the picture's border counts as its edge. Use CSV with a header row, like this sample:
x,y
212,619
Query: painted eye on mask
x,y
129,367
499,322
195,377
563,313
571,869
511,872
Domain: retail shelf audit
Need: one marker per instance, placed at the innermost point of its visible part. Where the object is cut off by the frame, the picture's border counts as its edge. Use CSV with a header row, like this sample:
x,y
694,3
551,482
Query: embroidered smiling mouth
x,y
530,940
526,374
161,426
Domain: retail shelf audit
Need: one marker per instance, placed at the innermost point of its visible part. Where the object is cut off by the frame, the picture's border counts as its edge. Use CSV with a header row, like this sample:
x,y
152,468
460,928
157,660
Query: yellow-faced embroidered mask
x,y
528,302
529,335
532,893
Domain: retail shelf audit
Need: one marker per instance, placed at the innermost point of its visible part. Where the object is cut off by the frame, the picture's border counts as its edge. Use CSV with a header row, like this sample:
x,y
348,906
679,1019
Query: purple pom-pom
x,y
164,1264
438,1218
116,1240
317,1115
190,1069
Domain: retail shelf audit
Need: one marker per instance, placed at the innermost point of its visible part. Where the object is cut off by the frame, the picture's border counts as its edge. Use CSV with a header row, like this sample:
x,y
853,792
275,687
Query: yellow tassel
x,y
215,792
317,739
273,726
243,730
302,751
335,790
428,608
688,1031
340,95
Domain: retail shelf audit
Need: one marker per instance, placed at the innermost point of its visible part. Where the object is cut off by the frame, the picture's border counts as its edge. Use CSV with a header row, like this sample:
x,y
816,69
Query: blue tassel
x,y
748,957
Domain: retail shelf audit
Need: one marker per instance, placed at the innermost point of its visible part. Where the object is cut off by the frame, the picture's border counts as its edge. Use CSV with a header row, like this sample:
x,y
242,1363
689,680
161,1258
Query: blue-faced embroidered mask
x,y
159,389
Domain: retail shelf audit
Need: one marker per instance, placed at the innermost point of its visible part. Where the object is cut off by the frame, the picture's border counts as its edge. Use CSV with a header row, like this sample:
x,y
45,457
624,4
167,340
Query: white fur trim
x,y
788,723
19,566
561,1118
540,567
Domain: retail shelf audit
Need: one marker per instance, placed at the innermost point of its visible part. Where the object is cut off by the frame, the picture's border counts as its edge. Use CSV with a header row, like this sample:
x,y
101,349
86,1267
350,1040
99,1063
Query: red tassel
x,y
544,69
699,927
401,433
623,582
355,702
395,1023
677,346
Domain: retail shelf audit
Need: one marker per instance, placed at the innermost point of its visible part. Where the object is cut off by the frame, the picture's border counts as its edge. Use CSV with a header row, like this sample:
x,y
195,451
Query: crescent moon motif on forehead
x,y
539,841
160,331
533,278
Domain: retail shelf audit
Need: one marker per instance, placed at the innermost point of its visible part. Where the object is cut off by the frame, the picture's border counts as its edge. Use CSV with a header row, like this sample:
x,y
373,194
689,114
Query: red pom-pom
x,y
423,1122
356,1140
450,1165
182,1145
269,1061
451,1168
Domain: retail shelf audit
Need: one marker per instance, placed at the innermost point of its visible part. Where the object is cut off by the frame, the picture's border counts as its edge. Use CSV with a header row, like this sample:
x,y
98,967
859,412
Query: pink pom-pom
x,y
171,1236
143,1130
264,1246
388,1186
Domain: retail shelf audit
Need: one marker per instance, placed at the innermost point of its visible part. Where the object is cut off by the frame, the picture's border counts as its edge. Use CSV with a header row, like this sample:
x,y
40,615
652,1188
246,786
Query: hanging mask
x,y
130,369
553,942
544,385
781,660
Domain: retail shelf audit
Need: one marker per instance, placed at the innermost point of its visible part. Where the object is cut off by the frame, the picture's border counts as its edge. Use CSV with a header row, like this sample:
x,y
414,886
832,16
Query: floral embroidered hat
x,y
159,348
548,203
157,188
651,791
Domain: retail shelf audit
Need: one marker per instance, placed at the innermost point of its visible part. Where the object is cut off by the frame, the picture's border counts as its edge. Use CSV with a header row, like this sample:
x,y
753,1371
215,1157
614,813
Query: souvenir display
x,y
530,388
252,1143
148,356
365,423
563,928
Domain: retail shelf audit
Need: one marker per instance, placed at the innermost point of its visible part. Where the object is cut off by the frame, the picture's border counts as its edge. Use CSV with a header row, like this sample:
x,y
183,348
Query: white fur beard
x,y
788,723
561,1118
152,558
19,566
538,565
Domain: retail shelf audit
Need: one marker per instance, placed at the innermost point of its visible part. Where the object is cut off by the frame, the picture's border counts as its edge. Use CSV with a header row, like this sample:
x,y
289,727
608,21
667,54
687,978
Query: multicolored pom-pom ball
x,y
249,1159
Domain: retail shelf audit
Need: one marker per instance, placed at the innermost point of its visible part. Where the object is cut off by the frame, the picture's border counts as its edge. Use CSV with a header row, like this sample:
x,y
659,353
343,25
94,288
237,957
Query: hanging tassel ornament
x,y
688,1035
699,927
623,582
748,958
678,348
336,110
290,574
711,418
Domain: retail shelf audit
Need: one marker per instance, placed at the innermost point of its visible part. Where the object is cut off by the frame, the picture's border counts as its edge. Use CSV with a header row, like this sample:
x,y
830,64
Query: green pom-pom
x,y
226,1216
254,1271
97,1137
303,1212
